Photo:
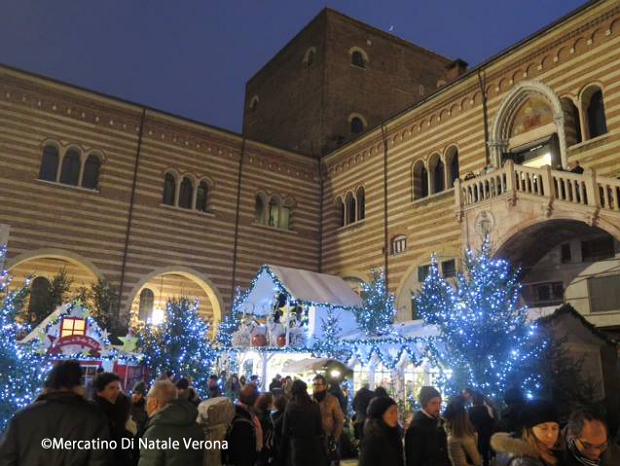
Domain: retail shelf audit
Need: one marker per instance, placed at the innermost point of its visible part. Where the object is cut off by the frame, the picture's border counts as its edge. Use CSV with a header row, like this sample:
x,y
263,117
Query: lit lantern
x,y
282,340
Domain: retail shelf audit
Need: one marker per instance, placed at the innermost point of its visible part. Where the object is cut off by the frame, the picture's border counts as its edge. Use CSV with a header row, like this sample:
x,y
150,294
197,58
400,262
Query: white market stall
x,y
282,313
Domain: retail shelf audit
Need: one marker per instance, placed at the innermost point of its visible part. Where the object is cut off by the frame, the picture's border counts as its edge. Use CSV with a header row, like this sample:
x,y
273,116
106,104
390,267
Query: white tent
x,y
317,291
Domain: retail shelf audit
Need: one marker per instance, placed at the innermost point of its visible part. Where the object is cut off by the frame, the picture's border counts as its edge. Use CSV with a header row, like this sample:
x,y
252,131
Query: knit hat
x,y
182,384
538,412
378,406
139,387
427,393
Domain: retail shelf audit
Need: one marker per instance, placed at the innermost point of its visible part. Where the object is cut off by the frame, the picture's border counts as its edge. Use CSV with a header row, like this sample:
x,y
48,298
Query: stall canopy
x,y
314,365
318,292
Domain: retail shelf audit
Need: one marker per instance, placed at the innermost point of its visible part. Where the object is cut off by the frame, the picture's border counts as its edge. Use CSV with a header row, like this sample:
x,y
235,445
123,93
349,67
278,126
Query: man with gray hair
x,y
171,427
587,441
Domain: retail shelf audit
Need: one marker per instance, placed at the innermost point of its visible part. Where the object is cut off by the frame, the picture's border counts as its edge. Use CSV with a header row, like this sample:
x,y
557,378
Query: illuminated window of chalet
x,y
73,326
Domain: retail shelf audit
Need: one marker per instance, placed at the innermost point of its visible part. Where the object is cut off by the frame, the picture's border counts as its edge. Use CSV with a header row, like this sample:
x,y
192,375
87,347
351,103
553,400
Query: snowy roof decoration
x,y
408,329
305,287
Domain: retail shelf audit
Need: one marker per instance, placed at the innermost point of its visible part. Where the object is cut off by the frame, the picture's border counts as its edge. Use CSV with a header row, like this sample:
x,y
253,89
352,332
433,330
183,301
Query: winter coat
x,y
118,414
268,452
360,403
331,416
175,421
302,431
463,451
426,442
214,392
513,451
484,425
55,415
242,439
381,445
339,394
280,447
139,415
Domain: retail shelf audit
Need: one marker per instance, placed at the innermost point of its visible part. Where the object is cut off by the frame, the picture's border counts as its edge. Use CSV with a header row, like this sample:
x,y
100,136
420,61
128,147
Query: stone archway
x,y
500,132
409,281
567,260
171,282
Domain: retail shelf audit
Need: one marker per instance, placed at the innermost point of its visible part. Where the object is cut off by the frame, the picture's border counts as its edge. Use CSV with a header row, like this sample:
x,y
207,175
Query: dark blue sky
x,y
193,57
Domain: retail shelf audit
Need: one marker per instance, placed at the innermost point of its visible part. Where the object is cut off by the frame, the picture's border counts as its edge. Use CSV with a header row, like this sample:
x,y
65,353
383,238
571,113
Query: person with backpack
x,y
245,438
302,429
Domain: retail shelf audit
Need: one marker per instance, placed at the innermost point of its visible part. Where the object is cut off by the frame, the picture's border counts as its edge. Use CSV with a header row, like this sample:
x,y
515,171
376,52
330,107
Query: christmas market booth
x,y
70,332
282,314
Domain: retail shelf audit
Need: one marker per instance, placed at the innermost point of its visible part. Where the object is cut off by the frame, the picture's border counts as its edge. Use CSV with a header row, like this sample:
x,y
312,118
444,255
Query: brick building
x,y
359,150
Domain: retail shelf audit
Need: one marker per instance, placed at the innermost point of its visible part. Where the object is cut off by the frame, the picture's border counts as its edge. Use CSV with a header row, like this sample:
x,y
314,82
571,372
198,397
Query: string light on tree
x,y
485,339
377,314
21,369
179,344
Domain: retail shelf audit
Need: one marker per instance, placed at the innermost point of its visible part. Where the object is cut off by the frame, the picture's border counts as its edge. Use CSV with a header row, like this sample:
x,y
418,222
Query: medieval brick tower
x,y
334,80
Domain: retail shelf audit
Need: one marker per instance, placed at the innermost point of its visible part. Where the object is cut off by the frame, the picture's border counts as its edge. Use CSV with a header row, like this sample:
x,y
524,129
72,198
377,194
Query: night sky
x,y
193,57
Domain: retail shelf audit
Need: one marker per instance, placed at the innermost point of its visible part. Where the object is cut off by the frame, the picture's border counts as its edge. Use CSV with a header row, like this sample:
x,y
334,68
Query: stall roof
x,y
308,287
312,364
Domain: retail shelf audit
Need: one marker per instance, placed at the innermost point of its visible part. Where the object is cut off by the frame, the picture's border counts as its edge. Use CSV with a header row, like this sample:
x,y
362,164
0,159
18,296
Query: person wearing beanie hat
x,y
425,439
138,413
538,439
381,444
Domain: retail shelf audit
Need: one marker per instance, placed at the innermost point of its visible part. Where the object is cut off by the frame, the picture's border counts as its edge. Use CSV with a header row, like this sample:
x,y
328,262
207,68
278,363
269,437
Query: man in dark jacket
x,y
515,402
587,441
60,413
425,440
245,439
116,407
360,405
172,424
213,387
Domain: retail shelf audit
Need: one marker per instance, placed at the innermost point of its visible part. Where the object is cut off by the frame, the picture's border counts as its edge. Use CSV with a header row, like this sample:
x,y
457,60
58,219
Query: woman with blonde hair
x,y
462,437
538,442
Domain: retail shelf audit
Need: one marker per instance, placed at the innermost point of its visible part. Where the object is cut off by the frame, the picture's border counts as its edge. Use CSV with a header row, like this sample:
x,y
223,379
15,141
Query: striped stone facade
x,y
123,232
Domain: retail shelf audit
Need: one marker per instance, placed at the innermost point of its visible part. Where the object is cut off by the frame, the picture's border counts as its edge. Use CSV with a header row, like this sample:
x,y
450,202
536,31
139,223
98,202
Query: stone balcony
x,y
507,202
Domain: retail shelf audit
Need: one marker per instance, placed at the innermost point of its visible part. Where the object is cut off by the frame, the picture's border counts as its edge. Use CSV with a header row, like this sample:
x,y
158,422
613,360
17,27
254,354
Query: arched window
x,y
452,161
361,203
285,215
49,164
399,244
357,59
572,125
147,299
170,187
420,181
39,295
340,212
274,211
185,193
594,109
70,173
202,195
90,178
350,208
259,209
437,169
357,125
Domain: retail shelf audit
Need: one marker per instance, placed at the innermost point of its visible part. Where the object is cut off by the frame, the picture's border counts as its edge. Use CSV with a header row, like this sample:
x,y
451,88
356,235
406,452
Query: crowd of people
x,y
287,426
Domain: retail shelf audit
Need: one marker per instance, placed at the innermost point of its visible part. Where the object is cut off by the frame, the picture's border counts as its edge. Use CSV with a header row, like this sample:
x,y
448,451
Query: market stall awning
x,y
313,365
311,288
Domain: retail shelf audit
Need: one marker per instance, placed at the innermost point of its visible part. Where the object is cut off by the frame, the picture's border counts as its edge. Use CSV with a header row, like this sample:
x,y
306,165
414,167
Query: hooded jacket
x,y
175,421
381,445
55,415
513,451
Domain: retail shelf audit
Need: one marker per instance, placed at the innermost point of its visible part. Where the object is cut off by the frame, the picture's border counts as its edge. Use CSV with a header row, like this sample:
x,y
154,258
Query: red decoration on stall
x,y
259,340
282,340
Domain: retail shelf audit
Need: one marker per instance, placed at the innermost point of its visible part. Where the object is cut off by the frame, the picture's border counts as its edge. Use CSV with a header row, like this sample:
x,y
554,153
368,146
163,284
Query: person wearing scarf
x,y
381,444
587,441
